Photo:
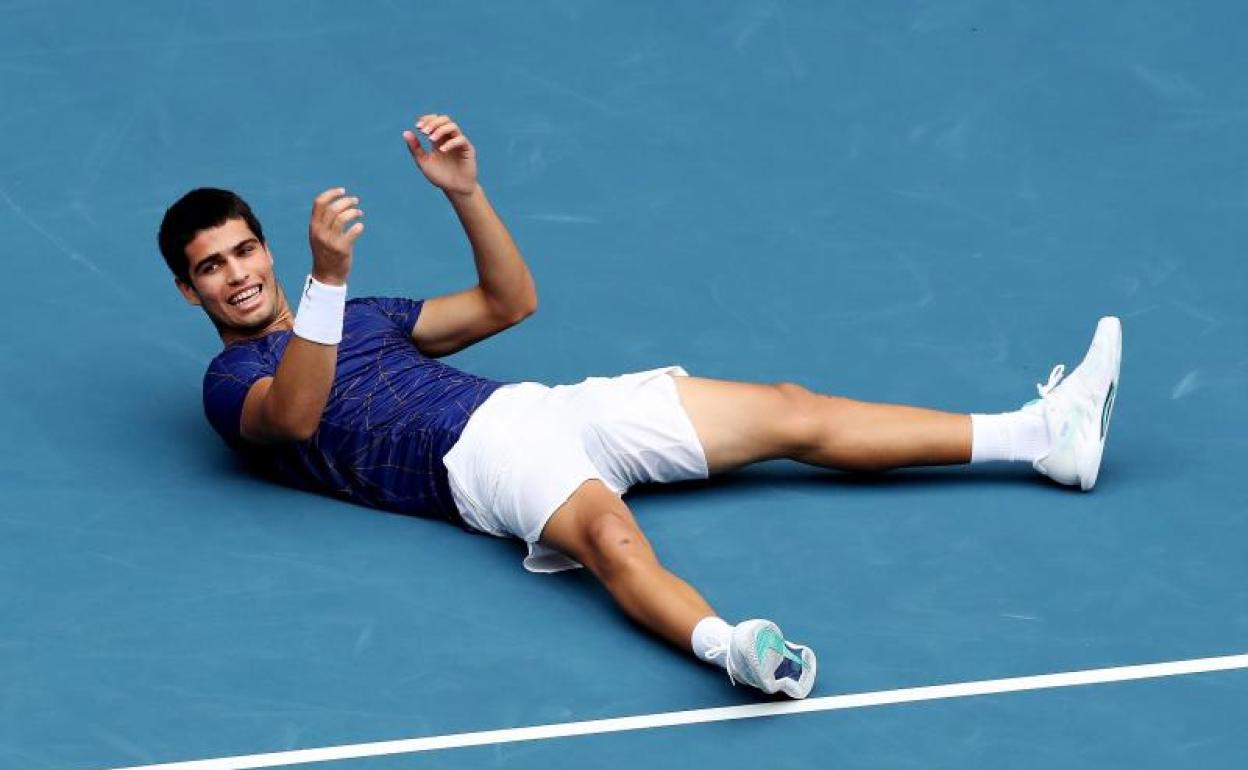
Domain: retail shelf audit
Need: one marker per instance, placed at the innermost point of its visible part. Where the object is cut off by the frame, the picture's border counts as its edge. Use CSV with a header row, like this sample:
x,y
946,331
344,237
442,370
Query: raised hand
x,y
451,164
332,235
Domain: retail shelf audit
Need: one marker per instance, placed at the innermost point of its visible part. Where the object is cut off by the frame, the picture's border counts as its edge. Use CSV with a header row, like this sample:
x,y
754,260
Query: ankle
x,y
1021,436
710,640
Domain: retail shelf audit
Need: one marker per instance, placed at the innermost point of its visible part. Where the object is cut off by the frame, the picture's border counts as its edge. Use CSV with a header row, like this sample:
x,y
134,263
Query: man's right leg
x,y
596,528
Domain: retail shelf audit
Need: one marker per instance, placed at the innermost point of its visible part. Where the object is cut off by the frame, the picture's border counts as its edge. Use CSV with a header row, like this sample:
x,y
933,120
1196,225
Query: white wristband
x,y
320,312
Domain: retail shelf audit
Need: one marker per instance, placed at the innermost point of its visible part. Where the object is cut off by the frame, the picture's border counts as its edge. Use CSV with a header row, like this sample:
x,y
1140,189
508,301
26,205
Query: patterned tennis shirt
x,y
392,414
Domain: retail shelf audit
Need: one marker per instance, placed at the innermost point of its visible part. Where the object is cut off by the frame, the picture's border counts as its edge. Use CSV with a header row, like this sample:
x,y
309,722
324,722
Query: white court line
x,y
698,716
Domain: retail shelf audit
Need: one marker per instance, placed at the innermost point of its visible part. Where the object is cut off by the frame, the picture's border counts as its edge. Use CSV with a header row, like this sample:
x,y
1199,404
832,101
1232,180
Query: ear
x,y
188,292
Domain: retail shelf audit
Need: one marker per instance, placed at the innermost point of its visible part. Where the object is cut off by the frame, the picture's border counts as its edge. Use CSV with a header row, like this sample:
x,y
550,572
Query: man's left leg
x,y
740,423
1062,434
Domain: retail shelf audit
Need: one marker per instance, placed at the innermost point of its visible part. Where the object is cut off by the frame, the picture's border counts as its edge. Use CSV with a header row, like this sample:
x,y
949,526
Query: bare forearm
x,y
300,389
504,277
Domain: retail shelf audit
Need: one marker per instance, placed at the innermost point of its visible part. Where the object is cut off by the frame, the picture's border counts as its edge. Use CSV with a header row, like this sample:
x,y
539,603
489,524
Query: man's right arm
x,y
288,406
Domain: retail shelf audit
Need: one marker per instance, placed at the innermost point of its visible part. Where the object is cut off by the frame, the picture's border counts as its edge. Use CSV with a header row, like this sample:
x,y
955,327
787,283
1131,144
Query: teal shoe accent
x,y
770,640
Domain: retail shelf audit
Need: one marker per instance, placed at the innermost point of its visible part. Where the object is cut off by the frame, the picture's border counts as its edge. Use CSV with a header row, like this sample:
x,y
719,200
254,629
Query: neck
x,y
283,320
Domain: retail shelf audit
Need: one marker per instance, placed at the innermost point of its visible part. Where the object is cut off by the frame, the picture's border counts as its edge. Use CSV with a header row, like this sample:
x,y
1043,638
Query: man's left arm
x,y
505,293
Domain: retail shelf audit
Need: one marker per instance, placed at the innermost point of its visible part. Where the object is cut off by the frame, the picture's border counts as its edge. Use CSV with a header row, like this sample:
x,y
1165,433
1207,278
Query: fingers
x,y
441,132
324,198
332,212
427,123
413,145
346,216
334,209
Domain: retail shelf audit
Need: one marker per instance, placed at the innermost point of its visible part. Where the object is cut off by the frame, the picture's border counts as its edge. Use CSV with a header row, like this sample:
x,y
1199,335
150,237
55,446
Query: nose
x,y
235,272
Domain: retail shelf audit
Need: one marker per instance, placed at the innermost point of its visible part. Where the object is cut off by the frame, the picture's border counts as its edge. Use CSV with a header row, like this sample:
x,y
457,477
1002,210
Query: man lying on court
x,y
350,399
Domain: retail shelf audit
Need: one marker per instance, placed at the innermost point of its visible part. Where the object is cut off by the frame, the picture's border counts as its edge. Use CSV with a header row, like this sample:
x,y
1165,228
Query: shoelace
x,y
1055,378
722,650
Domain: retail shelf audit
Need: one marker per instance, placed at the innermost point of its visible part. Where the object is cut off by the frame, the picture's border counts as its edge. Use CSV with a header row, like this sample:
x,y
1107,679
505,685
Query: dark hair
x,y
200,209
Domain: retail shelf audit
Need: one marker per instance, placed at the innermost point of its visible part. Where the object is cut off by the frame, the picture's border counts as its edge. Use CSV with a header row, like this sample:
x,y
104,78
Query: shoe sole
x,y
1108,333
802,687
771,660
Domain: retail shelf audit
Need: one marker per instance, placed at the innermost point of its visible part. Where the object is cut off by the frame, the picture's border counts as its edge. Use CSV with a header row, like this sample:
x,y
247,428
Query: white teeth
x,y
244,295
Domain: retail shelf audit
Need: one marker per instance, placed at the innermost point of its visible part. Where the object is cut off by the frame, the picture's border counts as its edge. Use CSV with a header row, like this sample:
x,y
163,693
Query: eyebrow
x,y
216,255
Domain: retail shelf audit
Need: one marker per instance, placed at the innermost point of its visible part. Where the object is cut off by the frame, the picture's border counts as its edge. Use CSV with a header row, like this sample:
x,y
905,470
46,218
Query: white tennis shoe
x,y
758,655
1077,409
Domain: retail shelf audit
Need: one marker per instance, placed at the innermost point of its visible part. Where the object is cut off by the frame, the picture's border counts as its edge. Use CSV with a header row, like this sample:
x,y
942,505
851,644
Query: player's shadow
x,y
783,474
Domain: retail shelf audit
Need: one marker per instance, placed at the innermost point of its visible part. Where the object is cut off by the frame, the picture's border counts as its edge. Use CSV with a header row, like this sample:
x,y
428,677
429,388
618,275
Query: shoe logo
x,y
1107,409
769,640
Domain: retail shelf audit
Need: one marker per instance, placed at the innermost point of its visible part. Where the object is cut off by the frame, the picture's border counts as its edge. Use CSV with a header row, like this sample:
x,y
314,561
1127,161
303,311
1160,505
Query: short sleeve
x,y
226,383
401,312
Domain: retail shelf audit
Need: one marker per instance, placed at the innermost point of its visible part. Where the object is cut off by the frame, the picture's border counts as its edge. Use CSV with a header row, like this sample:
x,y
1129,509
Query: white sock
x,y
1013,437
712,634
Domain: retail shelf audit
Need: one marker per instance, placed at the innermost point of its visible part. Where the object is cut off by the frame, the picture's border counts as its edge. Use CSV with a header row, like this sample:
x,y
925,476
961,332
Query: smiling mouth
x,y
244,295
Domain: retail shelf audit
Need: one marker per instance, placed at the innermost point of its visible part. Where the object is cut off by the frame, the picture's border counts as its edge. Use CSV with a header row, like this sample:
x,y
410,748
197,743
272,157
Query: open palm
x,y
451,163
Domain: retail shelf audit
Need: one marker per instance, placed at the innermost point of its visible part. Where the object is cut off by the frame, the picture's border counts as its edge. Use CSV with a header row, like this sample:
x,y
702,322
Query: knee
x,y
796,395
615,546
799,418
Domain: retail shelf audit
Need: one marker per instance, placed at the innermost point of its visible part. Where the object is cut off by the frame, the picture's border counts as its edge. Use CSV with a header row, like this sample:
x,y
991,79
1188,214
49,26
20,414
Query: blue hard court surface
x,y
919,202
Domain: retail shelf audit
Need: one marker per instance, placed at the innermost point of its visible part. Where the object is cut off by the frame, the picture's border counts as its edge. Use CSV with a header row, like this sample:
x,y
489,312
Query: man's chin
x,y
254,326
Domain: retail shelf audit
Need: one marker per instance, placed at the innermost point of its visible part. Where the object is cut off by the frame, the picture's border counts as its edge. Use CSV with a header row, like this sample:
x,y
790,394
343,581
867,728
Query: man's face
x,y
231,274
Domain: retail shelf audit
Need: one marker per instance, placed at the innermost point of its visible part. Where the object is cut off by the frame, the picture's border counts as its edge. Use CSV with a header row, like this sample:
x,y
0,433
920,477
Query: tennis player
x,y
349,398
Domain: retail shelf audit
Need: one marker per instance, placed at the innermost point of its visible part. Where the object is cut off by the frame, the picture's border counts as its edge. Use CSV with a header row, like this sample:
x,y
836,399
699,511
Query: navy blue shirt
x,y
392,414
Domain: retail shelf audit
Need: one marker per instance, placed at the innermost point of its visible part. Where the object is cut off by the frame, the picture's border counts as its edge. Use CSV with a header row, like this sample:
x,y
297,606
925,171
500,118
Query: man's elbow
x,y
521,311
302,432
280,434
530,308
286,429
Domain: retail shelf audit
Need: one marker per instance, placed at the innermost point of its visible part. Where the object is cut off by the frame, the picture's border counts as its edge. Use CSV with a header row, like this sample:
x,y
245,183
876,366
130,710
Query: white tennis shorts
x,y
530,446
